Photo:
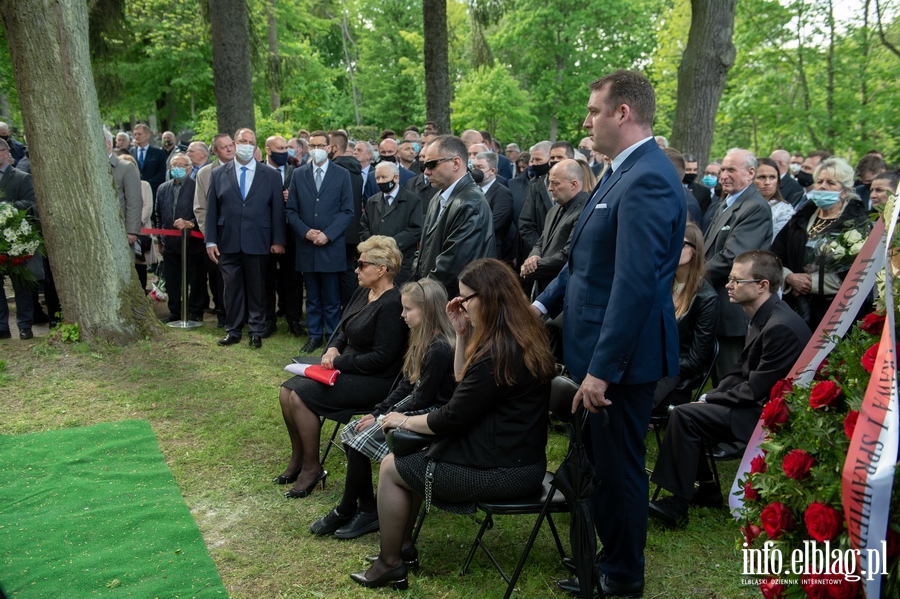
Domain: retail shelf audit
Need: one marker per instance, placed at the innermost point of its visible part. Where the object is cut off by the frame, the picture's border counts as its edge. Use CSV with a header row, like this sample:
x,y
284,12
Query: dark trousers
x,y
24,306
283,281
730,349
216,284
51,298
618,454
323,302
195,275
245,291
681,460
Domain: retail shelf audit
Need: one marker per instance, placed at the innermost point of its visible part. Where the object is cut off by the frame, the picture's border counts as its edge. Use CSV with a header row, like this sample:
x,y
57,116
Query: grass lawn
x,y
215,412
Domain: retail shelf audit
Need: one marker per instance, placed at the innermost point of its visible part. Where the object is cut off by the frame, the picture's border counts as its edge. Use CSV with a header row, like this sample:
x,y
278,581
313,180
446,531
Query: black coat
x,y
372,339
435,385
351,165
169,208
696,334
402,220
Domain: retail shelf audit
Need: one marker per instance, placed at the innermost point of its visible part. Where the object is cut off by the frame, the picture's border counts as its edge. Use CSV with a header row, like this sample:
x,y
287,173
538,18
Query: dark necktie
x,y
318,178
141,158
244,182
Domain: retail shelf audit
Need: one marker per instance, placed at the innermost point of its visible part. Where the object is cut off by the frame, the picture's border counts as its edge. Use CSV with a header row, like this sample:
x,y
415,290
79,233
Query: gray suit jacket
x,y
128,187
463,232
552,248
746,225
200,191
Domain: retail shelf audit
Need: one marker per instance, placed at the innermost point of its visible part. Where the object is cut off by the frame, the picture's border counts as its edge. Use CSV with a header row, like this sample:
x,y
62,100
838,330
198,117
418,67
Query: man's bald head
x,y
783,159
470,136
566,179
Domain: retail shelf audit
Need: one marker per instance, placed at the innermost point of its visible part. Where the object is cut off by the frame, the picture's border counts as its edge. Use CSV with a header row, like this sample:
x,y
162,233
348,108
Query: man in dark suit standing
x,y
282,278
742,222
244,212
730,412
619,328
459,226
500,200
550,254
788,186
319,209
537,202
16,189
151,161
396,212
421,186
337,151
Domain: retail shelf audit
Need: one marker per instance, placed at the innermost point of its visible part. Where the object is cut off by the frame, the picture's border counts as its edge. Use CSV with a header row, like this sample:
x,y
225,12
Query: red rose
x,y
841,588
822,371
824,394
893,543
770,588
873,323
850,423
775,413
758,464
823,522
797,464
868,359
815,586
751,531
776,519
749,492
781,388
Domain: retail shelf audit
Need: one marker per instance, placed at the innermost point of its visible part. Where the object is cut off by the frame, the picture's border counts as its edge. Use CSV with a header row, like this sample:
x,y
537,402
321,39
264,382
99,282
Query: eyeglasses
x,y
463,301
432,164
361,264
734,281
688,244
317,146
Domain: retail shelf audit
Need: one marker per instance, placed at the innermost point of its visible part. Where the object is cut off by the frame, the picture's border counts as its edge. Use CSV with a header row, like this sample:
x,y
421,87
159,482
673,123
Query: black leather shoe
x,y
330,523
708,495
25,334
170,317
40,317
396,576
410,557
281,479
361,524
196,317
671,511
220,320
269,329
296,328
255,341
611,588
5,335
311,345
229,339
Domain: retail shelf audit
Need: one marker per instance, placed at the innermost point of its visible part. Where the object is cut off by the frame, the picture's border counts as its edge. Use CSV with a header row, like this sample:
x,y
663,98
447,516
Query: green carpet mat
x,y
95,512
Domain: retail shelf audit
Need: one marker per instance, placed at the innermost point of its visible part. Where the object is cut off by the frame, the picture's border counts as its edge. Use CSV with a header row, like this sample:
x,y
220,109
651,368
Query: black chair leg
x,y
337,427
476,543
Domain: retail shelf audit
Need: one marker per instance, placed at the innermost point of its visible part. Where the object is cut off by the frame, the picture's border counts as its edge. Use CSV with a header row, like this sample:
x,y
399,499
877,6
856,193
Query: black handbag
x,y
403,442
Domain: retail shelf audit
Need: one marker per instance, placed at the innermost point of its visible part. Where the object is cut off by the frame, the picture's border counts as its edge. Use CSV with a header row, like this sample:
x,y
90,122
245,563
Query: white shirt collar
x,y
445,195
624,154
323,166
484,189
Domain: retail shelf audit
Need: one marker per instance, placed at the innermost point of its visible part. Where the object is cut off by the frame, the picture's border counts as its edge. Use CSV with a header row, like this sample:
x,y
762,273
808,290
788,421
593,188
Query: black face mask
x,y
279,158
540,169
553,163
5,138
387,186
689,178
804,179
388,158
477,175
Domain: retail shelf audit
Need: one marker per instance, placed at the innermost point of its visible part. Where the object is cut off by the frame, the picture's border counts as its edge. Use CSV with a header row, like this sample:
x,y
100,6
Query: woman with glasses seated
x,y
368,352
697,313
490,437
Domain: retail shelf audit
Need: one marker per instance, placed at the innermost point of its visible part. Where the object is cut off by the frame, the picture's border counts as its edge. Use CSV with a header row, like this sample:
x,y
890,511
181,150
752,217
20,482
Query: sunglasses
x,y
432,164
360,264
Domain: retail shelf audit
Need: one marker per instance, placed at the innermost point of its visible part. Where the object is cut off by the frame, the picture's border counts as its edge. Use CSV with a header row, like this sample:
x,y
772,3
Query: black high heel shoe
x,y
289,479
299,494
410,557
396,576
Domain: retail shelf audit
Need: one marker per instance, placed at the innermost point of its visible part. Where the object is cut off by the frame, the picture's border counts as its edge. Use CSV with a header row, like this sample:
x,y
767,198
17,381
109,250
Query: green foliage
x,y
491,98
69,333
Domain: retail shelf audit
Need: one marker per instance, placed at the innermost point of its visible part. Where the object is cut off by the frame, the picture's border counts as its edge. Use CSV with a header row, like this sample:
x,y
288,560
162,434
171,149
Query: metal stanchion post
x,y
184,323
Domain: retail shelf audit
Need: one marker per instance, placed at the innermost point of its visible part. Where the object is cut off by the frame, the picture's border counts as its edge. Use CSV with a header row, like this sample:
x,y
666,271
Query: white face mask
x,y
318,155
244,152
795,168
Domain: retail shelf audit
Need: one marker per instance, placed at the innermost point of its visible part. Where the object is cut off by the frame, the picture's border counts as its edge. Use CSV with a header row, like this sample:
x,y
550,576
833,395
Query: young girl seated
x,y
427,384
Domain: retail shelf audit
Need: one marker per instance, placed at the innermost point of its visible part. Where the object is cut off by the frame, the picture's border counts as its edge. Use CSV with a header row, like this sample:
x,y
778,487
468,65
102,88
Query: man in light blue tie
x,y
244,207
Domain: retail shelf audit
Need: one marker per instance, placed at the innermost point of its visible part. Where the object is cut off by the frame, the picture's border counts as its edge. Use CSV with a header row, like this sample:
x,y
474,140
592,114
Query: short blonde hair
x,y
382,250
838,167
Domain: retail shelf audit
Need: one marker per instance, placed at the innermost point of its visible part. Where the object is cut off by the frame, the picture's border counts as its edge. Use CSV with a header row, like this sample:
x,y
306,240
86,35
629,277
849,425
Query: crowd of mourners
x,y
421,265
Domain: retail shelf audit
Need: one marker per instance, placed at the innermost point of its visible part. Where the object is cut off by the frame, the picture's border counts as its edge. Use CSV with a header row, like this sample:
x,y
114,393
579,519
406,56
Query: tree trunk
x,y
704,68
437,64
232,75
274,59
82,222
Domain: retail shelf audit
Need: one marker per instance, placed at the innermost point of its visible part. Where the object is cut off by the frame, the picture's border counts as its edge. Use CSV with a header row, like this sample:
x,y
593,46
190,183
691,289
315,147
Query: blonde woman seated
x,y
427,385
490,437
368,350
